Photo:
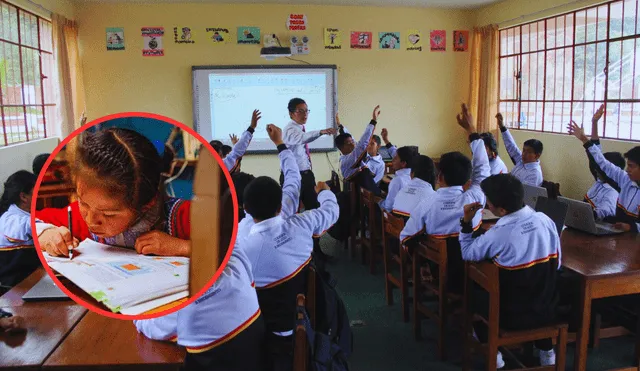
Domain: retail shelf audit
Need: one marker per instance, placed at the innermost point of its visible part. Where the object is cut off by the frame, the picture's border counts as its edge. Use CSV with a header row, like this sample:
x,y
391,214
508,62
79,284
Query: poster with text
x,y
115,38
152,37
414,40
218,35
248,35
183,35
438,40
332,39
460,41
297,22
361,40
389,40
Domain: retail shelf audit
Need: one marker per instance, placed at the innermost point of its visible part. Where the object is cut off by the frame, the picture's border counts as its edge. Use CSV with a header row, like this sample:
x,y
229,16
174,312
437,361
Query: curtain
x,y
483,95
70,87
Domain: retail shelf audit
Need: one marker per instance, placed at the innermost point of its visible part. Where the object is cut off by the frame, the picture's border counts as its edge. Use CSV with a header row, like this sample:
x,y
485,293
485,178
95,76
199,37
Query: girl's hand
x,y
160,243
12,324
57,241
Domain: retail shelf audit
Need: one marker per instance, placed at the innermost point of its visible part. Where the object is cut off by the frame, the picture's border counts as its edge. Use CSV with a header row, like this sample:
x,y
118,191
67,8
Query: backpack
x,y
325,355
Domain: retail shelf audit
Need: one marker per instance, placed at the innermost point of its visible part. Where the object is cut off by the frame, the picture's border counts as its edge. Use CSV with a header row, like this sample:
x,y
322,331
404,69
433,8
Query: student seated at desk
x,y
18,257
232,159
525,245
527,162
223,329
121,201
496,163
439,215
423,180
401,163
374,161
628,207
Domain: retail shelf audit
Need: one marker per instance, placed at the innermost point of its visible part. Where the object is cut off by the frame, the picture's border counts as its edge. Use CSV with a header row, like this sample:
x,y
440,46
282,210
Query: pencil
x,y
70,231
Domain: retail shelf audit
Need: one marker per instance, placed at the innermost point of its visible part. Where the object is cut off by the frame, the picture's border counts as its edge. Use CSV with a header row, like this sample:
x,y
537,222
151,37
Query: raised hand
x,y
255,117
470,211
338,120
465,120
275,134
376,113
598,114
594,122
385,135
577,132
234,139
500,120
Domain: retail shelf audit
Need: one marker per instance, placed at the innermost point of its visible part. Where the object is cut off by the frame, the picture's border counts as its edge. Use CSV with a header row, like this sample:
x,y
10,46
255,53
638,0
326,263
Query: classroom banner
x,y
248,35
414,40
361,40
115,38
218,35
152,37
460,41
332,38
183,35
438,40
389,40
297,22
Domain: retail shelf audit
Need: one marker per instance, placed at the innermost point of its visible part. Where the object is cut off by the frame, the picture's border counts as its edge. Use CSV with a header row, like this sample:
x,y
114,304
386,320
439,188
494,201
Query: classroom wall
x,y
20,156
63,7
419,92
563,160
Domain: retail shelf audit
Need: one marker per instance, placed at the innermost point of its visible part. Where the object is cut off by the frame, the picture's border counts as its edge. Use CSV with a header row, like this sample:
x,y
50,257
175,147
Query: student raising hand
x,y
275,134
376,113
465,120
57,241
594,122
162,244
577,131
255,118
234,139
500,120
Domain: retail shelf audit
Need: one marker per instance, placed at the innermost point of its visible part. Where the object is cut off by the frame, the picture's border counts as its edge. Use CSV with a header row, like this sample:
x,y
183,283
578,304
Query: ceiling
x,y
394,3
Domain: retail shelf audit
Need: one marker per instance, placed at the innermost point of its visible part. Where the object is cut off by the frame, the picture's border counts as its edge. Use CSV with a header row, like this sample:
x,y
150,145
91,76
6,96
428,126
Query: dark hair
x,y
613,157
376,139
633,155
38,163
535,144
406,154
341,140
490,142
21,181
423,168
262,198
240,182
505,191
295,102
455,168
226,149
217,146
124,162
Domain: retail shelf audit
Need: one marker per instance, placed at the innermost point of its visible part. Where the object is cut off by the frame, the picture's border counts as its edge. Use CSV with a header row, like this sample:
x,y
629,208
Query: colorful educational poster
x,y
332,38
248,35
297,22
389,40
152,37
414,40
300,45
460,41
361,40
183,35
438,40
115,38
218,35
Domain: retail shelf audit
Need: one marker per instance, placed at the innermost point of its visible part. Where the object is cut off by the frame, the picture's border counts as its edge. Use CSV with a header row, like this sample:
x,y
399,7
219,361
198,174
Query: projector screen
x,y
224,98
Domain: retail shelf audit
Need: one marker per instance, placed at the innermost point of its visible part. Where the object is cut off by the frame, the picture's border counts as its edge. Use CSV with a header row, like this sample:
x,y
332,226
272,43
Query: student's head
x,y
615,158
504,192
226,149
490,145
18,190
298,110
531,151
118,178
374,145
454,169
345,143
38,163
633,163
240,182
422,167
403,158
217,146
262,198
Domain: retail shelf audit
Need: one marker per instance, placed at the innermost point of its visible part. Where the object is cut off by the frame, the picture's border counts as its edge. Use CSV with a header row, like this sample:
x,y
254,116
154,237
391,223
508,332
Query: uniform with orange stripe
x,y
221,330
232,160
602,198
399,181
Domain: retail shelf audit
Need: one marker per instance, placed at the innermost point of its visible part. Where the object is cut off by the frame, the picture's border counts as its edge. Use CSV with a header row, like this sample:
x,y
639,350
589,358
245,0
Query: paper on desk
x,y
152,304
487,215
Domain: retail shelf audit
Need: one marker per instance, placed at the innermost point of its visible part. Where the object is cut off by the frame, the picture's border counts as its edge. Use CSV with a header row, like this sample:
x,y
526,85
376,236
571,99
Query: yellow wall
x,y
419,92
62,7
563,160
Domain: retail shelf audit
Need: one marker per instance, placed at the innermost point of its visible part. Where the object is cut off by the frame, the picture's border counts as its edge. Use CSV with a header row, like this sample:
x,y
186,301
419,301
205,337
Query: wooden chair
x,y
300,343
311,295
370,244
354,198
391,228
486,275
434,250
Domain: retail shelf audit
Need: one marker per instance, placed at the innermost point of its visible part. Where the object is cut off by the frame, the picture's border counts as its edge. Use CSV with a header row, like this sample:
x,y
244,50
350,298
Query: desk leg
x,y
582,339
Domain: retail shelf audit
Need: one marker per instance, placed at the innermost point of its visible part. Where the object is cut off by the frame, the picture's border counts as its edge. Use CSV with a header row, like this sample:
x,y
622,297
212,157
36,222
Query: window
x,y
563,68
26,65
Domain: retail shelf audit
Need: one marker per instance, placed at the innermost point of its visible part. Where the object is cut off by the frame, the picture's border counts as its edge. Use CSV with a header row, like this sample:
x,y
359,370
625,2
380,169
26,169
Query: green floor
x,y
384,342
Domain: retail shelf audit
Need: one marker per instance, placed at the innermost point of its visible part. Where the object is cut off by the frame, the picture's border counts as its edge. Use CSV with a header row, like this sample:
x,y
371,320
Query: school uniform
x,y
297,140
376,165
18,257
232,160
221,330
401,179
530,173
628,204
498,166
603,199
439,215
411,195
353,163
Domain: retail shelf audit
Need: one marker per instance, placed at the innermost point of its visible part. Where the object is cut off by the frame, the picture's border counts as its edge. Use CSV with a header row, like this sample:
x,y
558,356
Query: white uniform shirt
x,y
530,173
348,161
399,181
603,199
15,229
238,150
411,195
295,139
376,165
498,166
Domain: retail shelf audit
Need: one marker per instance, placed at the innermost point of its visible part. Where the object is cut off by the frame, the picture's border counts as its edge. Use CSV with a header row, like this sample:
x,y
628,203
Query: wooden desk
x,y
608,266
99,341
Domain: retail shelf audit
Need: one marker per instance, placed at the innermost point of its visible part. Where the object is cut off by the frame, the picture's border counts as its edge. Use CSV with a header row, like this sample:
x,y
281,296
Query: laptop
x,y
580,216
45,289
531,194
555,210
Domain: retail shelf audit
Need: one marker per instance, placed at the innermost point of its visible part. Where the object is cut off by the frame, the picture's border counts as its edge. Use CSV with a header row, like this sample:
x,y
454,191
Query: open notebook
x,y
123,280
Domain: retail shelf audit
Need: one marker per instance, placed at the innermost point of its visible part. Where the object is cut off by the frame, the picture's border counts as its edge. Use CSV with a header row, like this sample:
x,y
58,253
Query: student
x,y
226,149
18,257
279,251
120,200
525,245
38,163
423,180
223,329
240,181
439,215
496,163
374,160
401,163
527,163
628,207
232,159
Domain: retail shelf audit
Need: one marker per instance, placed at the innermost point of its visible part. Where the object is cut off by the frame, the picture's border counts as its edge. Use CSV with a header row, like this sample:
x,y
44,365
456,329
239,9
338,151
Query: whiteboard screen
x,y
225,96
